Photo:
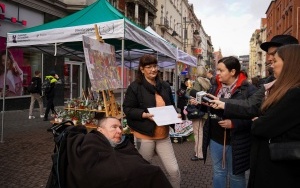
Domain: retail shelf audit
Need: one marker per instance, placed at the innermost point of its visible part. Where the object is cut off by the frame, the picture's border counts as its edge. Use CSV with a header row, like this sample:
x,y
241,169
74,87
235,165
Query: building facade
x,y
283,17
174,20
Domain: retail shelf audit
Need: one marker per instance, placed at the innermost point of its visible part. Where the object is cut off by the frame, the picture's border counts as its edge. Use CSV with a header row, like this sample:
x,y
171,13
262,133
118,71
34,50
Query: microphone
x,y
193,93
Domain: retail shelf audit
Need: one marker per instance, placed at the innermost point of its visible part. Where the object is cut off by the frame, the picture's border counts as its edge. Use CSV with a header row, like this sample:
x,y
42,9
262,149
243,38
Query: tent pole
x,y
176,84
122,77
176,77
3,99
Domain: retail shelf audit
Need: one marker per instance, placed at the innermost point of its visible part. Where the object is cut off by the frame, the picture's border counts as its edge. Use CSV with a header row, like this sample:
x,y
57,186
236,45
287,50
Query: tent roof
x,y
112,26
100,11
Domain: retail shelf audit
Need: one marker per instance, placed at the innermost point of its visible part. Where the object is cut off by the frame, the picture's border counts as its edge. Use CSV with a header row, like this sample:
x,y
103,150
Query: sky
x,y
230,23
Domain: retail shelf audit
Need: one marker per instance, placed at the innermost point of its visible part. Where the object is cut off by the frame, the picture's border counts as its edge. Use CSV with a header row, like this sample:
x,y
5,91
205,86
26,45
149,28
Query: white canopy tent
x,y
114,28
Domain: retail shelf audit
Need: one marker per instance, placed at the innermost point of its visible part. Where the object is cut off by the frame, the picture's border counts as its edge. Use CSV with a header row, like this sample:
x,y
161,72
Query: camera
x,y
201,96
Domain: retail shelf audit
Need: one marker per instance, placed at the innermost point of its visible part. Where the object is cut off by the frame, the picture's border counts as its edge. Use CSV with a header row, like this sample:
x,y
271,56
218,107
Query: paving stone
x,y
25,155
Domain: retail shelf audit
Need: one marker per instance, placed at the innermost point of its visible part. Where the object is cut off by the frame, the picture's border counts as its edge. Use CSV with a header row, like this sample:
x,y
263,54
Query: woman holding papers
x,y
149,91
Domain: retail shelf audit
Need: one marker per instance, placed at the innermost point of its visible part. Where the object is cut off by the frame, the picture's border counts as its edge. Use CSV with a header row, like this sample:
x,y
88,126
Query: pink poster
x,y
14,75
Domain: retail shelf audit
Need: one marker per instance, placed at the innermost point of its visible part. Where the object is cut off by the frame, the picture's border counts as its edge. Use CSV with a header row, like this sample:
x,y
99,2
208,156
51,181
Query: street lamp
x,y
185,37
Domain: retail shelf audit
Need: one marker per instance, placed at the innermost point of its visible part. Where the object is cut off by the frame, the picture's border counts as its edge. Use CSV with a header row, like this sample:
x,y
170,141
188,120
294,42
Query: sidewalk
x,y
25,155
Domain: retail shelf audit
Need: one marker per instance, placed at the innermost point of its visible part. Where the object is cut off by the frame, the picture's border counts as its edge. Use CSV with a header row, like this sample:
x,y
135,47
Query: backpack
x,y
46,86
57,177
33,87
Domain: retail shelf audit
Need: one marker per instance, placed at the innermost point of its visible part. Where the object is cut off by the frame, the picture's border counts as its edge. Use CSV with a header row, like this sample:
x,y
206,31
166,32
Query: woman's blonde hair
x,y
201,71
289,77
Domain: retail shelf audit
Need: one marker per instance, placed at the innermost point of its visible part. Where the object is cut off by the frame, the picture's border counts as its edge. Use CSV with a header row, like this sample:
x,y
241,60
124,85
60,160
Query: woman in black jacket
x,y
148,91
279,121
229,139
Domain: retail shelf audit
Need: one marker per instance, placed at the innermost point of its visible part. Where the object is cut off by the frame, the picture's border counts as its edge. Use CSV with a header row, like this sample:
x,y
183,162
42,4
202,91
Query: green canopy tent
x,y
66,34
112,26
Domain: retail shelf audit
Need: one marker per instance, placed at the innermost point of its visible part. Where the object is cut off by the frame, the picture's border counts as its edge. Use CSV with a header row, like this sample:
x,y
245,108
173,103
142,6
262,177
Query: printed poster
x,y
101,65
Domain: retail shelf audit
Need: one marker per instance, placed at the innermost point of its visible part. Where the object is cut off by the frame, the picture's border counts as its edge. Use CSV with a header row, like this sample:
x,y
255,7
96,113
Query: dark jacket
x,y
280,120
38,89
238,137
182,98
138,98
94,163
50,92
248,108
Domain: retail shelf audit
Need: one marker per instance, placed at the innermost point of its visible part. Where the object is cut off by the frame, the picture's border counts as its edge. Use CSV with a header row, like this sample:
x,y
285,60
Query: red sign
x,y
12,19
2,7
197,51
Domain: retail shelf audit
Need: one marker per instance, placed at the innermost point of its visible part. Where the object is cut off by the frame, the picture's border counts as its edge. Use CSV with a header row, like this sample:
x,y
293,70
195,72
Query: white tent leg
x,y
176,83
3,99
122,77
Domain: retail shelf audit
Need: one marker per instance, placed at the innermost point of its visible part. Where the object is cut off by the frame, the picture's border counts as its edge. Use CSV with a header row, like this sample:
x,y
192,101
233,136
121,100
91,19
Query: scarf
x,y
268,87
226,91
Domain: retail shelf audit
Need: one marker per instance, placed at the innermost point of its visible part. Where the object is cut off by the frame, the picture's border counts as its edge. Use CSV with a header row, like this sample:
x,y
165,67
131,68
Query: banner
x,y
110,29
101,65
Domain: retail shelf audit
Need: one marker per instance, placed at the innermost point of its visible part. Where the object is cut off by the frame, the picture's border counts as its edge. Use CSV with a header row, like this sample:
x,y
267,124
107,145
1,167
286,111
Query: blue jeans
x,y
220,174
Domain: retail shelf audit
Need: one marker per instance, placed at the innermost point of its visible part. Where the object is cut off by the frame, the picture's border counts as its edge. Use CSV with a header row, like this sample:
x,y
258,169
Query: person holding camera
x,y
229,139
201,83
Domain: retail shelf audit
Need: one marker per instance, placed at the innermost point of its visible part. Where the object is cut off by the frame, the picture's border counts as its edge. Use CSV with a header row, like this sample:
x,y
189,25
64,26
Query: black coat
x,y
247,109
94,163
38,89
281,119
182,98
240,136
138,98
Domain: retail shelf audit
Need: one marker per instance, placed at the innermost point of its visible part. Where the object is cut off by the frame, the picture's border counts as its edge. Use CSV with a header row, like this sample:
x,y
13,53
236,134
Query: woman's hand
x,y
212,96
193,101
179,116
216,104
147,116
226,123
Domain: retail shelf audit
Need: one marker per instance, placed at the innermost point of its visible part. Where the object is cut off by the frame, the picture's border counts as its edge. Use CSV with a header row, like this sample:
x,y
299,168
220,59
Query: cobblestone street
x,y
25,155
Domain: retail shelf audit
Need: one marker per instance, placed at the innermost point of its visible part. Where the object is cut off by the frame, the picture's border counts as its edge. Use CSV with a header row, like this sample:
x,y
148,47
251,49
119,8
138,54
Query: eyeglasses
x,y
154,66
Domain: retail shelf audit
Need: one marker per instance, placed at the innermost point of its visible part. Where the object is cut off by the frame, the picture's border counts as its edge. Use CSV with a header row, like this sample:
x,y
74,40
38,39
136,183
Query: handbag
x,y
280,151
194,112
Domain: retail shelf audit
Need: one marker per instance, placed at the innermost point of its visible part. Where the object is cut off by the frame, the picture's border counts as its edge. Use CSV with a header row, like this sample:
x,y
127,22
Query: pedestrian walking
x,y
50,93
36,94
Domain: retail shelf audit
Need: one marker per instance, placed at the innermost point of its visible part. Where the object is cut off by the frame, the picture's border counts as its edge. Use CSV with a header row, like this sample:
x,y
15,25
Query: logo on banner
x,y
14,38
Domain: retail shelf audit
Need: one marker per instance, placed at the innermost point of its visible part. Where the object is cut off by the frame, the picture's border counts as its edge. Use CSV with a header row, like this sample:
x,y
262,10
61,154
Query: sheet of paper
x,y
165,115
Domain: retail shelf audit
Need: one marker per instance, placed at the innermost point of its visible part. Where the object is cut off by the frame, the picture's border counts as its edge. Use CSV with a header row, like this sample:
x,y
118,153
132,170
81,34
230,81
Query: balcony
x,y
75,2
164,24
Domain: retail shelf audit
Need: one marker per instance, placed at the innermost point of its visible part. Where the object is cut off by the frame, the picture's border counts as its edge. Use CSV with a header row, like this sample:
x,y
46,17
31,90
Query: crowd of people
x,y
241,119
239,122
